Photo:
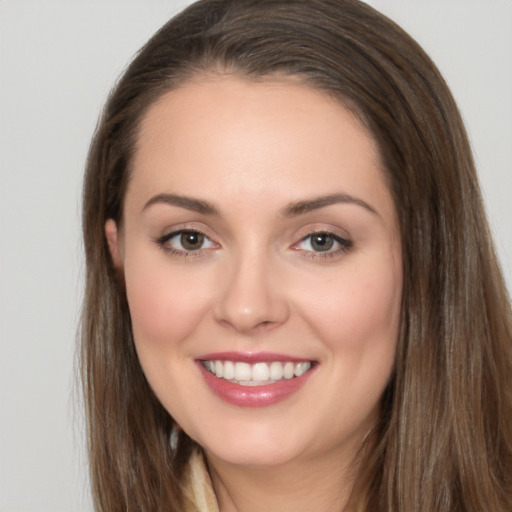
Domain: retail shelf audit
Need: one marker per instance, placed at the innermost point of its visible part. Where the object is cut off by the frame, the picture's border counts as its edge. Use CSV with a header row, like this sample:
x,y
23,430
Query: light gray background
x,y
58,59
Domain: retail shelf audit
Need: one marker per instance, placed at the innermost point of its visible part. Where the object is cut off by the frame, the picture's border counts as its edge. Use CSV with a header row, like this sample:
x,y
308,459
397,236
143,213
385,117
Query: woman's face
x,y
261,254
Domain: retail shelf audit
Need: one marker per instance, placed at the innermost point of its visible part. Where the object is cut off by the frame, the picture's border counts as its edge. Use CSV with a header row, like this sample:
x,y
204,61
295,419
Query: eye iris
x,y
322,242
191,240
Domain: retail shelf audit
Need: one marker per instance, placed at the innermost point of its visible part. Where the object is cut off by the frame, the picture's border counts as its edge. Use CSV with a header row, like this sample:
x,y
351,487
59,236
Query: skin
x,y
257,284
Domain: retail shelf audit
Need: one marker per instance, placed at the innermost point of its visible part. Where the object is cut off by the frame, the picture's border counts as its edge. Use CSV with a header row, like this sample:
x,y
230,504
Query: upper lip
x,y
251,357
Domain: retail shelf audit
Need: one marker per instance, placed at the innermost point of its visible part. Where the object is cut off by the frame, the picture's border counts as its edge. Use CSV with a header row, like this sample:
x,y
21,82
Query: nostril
x,y
249,299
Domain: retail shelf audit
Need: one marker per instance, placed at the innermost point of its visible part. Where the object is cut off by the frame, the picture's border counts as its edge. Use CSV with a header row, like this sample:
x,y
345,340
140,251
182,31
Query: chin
x,y
252,447
254,458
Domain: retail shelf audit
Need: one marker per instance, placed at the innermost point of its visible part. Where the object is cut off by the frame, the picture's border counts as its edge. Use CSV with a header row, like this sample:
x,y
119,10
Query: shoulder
x,y
198,489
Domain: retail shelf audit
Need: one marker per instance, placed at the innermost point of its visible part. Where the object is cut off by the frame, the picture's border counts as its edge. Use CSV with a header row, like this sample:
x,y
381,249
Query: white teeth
x,y
289,370
229,370
219,367
256,374
301,368
260,371
276,371
242,371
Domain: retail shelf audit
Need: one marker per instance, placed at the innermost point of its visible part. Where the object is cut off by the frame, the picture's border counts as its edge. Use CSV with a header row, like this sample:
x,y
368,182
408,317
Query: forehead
x,y
231,135
235,100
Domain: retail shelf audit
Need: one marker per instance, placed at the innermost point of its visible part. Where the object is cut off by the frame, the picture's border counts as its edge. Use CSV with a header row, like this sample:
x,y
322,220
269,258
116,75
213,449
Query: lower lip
x,y
254,396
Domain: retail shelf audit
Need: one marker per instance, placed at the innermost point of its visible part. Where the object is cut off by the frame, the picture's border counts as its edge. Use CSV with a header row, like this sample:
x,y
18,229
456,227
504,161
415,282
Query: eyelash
x,y
164,243
343,245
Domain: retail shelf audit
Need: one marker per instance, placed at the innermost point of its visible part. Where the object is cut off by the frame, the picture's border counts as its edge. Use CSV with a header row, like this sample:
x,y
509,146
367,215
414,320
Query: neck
x,y
320,484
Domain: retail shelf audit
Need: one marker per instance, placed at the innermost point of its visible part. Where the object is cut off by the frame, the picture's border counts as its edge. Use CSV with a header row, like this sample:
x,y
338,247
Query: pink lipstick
x,y
254,379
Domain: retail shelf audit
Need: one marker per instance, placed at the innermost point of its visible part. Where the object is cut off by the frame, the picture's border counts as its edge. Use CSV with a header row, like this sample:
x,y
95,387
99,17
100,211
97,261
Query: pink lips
x,y
252,396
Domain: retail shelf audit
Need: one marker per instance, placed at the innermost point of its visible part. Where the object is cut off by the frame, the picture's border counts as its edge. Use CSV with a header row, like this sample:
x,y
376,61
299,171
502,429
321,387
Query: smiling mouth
x,y
258,374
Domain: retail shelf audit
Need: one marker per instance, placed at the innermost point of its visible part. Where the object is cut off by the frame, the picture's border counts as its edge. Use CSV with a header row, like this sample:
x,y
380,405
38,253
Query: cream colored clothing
x,y
198,486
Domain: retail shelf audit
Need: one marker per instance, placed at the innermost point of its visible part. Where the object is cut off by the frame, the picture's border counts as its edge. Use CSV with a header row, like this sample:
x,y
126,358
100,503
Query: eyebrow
x,y
189,203
291,210
302,207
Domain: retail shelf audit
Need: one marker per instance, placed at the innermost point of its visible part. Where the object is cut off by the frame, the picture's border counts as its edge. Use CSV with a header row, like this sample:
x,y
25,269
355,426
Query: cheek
x,y
357,309
165,304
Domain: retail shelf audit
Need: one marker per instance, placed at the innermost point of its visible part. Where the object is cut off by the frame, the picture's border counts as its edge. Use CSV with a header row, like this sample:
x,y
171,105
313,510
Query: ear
x,y
112,235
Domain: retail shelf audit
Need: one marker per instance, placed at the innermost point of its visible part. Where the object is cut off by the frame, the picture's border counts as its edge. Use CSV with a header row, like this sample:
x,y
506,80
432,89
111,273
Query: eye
x,y
323,242
185,241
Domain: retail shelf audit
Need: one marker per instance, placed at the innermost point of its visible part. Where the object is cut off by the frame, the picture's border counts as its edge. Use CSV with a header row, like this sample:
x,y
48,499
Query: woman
x,y
292,298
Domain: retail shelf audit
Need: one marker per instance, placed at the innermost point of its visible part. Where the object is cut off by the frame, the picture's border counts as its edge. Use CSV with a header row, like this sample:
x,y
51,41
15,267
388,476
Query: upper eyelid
x,y
342,240
187,226
301,234
331,229
175,232
325,232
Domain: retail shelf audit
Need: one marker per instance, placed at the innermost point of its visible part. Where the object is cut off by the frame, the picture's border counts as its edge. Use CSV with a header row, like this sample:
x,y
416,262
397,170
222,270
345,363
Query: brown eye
x,y
184,242
321,242
192,240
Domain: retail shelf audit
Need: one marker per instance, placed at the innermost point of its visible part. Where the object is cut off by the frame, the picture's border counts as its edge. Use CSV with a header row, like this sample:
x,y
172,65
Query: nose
x,y
251,296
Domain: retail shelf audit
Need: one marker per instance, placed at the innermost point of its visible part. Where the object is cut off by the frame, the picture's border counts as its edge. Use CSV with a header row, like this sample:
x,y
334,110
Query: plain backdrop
x,y
58,60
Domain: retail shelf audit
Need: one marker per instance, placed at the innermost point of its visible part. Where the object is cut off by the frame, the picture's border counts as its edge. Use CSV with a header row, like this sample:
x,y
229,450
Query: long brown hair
x,y
444,441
